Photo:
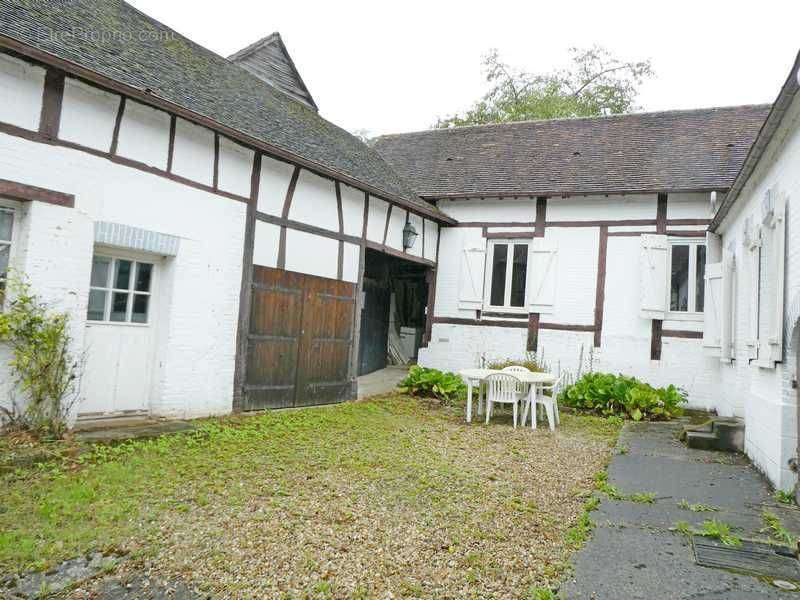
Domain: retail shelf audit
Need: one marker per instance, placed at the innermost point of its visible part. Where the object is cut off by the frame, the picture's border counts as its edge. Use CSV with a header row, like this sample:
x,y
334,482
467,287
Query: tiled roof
x,y
661,151
114,40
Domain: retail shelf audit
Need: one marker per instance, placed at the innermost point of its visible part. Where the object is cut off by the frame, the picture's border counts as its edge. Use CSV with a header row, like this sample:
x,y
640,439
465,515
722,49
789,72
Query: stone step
x,y
730,434
702,440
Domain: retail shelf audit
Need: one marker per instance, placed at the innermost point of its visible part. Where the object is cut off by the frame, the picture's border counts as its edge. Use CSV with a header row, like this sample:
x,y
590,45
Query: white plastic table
x,y
474,377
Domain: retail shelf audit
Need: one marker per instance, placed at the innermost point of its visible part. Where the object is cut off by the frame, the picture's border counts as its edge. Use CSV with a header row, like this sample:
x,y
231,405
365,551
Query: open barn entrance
x,y
393,311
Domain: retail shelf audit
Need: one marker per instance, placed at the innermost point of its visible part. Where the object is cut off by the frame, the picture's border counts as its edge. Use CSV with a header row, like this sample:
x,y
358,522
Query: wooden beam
x,y
661,214
541,216
117,125
685,334
27,193
287,203
171,153
533,333
655,339
246,290
600,290
215,176
52,99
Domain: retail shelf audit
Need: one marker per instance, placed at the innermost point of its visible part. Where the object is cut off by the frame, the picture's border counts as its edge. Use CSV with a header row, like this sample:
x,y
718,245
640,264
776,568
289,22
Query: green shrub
x,y
528,361
432,383
607,395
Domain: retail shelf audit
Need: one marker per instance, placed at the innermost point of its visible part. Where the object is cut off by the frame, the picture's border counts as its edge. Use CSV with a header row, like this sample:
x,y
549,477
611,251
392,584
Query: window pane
x,y
519,274
143,273
700,295
499,265
100,268
4,252
119,307
139,314
122,274
679,289
6,222
97,305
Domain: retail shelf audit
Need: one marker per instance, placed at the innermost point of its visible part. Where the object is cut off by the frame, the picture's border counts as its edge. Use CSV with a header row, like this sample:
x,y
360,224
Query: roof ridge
x,y
572,119
258,44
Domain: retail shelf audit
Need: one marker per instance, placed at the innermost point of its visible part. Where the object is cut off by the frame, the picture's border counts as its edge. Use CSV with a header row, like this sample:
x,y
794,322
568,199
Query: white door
x,y
119,336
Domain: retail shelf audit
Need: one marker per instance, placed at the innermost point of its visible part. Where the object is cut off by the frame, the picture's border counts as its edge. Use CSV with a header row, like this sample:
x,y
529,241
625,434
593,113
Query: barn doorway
x,y
395,295
300,339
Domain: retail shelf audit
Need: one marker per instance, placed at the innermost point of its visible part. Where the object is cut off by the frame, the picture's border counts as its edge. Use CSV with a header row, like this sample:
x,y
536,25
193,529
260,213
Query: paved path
x,y
633,553
382,381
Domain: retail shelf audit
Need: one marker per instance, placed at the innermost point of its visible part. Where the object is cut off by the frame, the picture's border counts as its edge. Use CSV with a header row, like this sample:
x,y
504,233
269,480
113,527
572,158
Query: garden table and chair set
x,y
523,389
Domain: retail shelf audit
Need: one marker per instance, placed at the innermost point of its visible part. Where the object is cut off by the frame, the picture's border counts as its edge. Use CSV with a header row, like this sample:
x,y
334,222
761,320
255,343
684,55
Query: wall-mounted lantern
x,y
409,235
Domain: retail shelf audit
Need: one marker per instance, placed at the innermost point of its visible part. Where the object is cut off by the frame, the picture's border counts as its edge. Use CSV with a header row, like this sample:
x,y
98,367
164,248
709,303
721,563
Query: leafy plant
x,y
719,531
684,504
447,387
45,372
775,528
683,528
617,395
784,497
643,497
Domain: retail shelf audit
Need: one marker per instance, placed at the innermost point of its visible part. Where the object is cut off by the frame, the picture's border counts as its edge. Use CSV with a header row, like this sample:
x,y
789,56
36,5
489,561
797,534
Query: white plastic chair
x,y
522,388
503,388
549,403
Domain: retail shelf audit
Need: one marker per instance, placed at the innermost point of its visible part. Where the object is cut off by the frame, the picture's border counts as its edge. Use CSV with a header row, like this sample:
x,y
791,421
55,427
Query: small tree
x,y
46,374
597,84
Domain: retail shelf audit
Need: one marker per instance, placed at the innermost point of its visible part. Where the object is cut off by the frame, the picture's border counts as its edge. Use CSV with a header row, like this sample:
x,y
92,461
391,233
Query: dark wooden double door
x,y
300,340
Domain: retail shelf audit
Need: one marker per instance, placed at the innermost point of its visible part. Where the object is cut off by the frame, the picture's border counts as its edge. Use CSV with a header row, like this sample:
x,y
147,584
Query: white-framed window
x,y
686,285
120,290
6,236
506,274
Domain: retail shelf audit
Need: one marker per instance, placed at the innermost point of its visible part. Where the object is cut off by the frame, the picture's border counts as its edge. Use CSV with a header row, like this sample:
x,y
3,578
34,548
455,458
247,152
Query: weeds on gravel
x,y
540,593
642,497
601,485
774,527
684,504
577,535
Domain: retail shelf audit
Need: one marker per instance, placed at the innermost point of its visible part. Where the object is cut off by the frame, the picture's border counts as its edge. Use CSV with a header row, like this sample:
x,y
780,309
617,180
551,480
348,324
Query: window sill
x,y
114,324
685,316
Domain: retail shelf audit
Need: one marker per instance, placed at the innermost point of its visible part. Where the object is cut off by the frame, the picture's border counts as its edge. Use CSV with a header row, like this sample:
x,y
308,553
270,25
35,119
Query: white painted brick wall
x,y
765,397
626,336
200,287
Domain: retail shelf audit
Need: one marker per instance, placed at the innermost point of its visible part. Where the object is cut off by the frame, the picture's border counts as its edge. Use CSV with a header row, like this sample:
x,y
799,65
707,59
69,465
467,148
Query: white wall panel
x,y
431,239
594,208
311,254
235,167
193,156
314,201
350,262
265,245
275,178
21,87
376,219
397,221
88,115
144,134
352,210
490,209
199,288
689,206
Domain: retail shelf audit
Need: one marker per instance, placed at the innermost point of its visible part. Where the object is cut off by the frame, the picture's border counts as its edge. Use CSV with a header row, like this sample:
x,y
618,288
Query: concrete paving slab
x,y
632,552
383,381
114,433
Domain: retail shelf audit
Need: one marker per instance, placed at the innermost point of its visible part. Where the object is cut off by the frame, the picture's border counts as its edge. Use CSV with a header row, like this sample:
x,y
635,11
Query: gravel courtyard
x,y
391,496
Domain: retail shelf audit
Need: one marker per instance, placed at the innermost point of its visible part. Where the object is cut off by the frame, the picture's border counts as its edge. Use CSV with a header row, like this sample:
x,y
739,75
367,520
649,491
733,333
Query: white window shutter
x,y
712,310
542,271
728,313
775,333
654,269
470,277
752,243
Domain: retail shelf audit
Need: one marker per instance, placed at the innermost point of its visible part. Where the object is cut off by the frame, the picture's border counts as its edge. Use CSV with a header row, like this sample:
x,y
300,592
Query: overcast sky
x,y
396,67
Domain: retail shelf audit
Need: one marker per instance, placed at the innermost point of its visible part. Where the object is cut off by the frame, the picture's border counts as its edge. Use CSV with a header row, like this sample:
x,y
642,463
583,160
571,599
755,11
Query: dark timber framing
x,y
534,319
28,193
117,125
600,294
173,122
243,328
657,327
49,61
52,99
215,185
287,204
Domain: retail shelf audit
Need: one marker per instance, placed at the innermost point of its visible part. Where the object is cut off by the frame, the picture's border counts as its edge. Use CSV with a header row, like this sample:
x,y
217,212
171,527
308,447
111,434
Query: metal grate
x,y
753,557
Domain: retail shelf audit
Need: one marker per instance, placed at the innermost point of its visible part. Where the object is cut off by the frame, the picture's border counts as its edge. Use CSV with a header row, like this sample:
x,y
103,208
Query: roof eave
x,y
165,104
764,137
431,196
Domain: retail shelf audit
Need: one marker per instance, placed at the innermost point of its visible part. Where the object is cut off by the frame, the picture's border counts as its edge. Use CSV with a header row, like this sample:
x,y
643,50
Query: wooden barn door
x,y
298,350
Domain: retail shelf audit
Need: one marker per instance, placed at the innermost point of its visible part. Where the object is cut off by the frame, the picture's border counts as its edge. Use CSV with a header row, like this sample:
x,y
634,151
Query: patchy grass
x,y
642,497
784,497
774,527
360,499
713,528
699,507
